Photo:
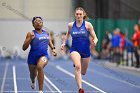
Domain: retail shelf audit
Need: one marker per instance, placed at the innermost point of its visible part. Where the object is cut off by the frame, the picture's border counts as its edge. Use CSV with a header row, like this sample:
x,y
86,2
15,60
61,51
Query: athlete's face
x,y
79,15
38,23
136,28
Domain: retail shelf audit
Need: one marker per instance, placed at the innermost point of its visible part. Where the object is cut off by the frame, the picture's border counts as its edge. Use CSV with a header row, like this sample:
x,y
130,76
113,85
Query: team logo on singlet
x,y
42,38
81,32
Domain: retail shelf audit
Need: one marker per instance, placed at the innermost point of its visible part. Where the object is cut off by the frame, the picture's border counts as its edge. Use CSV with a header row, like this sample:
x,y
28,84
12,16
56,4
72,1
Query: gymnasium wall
x,y
49,9
16,16
13,33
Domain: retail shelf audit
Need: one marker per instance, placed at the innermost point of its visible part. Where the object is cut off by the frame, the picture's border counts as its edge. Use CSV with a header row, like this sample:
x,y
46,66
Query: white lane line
x,y
52,84
64,91
111,77
14,79
72,75
49,87
4,78
17,78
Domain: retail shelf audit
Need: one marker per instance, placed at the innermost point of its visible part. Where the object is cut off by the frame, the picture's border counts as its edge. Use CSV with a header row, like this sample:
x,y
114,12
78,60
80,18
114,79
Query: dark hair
x,y
139,26
34,18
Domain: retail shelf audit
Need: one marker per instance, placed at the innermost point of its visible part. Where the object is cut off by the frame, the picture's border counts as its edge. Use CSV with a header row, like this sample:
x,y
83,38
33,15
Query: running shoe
x,y
33,85
81,90
40,91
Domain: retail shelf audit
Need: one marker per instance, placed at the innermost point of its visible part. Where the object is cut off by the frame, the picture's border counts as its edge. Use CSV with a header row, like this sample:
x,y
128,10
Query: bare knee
x,y
78,68
39,67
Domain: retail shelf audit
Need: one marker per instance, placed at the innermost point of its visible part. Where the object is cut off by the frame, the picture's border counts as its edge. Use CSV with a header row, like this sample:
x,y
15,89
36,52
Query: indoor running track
x,y
59,78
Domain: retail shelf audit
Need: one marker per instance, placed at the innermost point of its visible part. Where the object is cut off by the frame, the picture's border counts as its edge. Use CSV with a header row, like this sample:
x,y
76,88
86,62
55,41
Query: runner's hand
x,y
32,36
93,43
62,46
54,52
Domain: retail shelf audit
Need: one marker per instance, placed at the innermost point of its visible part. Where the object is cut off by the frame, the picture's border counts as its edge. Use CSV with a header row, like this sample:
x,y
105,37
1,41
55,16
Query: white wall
x,y
50,9
16,15
13,32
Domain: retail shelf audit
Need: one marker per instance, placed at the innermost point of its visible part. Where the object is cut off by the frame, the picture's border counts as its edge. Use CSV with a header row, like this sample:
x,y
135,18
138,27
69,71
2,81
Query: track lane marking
x,y
4,77
14,79
52,84
72,75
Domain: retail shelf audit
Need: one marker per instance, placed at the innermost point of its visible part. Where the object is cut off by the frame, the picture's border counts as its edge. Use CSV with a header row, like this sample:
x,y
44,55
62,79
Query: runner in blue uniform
x,y
80,31
39,40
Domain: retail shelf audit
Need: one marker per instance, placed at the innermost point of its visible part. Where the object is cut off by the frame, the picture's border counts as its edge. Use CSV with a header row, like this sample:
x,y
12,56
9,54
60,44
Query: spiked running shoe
x,y
81,90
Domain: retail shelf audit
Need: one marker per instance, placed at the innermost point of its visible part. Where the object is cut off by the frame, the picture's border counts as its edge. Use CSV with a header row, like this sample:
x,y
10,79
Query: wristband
x,y
53,48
